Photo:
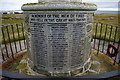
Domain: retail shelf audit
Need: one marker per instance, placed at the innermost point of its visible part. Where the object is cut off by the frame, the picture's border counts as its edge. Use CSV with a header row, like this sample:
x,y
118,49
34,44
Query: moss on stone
x,y
21,65
42,3
88,4
28,4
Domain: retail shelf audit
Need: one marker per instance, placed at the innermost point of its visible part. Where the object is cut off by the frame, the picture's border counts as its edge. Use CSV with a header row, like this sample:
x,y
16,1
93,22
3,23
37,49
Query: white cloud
x,y
18,1
16,4
105,5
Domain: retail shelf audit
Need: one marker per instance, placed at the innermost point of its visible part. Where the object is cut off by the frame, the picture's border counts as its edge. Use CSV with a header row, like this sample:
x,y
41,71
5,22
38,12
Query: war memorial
x,y
59,35
60,39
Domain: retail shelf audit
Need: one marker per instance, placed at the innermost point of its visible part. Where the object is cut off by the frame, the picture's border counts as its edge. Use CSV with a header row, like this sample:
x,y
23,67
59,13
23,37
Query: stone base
x,y
40,71
82,69
61,74
86,66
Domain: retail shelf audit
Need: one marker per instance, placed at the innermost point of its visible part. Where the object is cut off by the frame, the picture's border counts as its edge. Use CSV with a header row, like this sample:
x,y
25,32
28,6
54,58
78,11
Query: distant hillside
x,y
107,18
107,12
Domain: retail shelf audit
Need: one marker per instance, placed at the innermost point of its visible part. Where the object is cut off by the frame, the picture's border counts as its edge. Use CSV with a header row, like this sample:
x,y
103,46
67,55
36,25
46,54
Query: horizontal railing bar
x,y
9,24
104,75
105,23
12,75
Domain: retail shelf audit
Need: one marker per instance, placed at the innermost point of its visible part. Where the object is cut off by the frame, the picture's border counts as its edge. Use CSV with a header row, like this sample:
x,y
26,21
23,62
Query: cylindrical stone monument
x,y
58,35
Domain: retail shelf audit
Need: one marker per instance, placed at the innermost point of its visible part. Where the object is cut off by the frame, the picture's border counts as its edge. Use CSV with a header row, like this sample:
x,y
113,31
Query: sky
x,y
107,5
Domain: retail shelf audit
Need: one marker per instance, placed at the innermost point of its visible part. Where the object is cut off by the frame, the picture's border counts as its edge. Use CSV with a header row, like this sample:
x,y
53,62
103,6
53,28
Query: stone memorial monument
x,y
58,35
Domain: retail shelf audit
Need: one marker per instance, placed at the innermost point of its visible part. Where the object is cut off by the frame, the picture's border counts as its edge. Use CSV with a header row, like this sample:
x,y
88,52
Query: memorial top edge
x,y
43,6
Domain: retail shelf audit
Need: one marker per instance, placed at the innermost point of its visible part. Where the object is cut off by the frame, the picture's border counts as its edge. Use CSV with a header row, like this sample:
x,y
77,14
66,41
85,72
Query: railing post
x,y
19,36
115,35
9,41
5,41
119,51
104,38
110,33
14,38
99,39
23,35
114,43
2,54
95,34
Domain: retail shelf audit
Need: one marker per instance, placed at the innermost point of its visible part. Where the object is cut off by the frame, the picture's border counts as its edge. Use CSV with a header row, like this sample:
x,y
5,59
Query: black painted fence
x,y
105,35
113,74
13,40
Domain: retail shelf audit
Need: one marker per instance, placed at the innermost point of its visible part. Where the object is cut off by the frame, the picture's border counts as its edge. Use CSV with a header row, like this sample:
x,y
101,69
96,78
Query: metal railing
x,y
13,39
112,74
105,35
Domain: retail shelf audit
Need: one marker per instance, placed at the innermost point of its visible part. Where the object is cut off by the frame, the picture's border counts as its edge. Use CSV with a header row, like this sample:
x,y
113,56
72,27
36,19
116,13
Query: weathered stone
x,y
58,35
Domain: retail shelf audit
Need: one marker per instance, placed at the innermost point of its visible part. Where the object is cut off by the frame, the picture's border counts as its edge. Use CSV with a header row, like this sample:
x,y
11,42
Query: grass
x,y
17,38
12,18
110,19
103,18
102,33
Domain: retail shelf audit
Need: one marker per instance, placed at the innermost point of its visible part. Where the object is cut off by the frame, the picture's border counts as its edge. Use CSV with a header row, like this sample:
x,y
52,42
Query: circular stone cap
x,y
59,0
67,6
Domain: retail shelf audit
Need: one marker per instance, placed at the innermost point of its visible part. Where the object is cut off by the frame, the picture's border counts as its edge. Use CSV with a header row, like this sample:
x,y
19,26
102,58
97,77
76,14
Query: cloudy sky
x,y
109,5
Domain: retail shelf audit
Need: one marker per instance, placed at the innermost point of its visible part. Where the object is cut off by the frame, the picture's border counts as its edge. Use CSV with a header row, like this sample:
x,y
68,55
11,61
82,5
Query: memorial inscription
x,y
58,18
58,34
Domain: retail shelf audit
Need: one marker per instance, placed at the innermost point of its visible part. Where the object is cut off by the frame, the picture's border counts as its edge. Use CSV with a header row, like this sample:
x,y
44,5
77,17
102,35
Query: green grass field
x,y
20,37
111,19
102,33
14,19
